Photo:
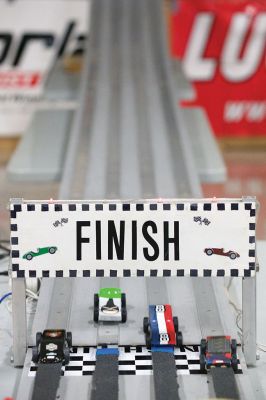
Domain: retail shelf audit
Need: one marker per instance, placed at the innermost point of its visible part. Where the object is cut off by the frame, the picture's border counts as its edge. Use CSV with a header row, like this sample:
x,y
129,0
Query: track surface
x,y
132,139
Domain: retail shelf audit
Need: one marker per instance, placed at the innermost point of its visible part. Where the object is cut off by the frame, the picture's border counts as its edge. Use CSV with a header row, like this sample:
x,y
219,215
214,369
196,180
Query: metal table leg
x,y
249,319
19,320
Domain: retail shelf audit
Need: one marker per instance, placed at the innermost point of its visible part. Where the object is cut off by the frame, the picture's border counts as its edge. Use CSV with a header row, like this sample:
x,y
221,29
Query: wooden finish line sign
x,y
207,237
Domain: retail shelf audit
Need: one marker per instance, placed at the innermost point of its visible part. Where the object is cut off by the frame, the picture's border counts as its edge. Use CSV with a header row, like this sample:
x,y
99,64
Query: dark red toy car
x,y
220,252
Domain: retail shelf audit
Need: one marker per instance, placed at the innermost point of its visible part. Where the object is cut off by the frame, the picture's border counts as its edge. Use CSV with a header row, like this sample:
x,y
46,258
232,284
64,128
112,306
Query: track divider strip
x,y
164,373
105,377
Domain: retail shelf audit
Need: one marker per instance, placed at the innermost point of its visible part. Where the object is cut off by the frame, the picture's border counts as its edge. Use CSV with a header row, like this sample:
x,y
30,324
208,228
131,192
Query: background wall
x,y
33,35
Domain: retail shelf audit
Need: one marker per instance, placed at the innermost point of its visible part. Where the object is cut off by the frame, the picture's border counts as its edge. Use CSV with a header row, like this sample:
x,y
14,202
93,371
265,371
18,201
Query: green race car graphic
x,y
40,251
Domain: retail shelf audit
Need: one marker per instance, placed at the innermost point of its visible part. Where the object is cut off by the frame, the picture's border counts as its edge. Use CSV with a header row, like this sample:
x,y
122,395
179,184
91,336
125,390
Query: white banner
x,y
144,238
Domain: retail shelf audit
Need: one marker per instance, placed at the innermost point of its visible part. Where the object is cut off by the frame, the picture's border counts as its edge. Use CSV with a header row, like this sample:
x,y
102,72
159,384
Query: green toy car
x,y
40,251
110,305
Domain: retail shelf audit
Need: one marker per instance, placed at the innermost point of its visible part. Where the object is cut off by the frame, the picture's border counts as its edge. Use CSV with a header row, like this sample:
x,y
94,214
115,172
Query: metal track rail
x,y
133,134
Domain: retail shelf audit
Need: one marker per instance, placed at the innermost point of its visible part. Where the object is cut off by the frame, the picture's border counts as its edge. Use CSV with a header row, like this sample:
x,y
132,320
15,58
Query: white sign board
x,y
33,36
144,238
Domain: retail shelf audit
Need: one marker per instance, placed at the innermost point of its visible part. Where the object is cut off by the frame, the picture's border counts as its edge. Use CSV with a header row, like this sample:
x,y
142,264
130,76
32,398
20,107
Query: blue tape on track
x,y
105,377
162,349
107,352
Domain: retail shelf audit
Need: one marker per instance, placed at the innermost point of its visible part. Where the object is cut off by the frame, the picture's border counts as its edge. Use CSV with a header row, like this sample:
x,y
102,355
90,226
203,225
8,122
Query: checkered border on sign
x,y
220,206
132,361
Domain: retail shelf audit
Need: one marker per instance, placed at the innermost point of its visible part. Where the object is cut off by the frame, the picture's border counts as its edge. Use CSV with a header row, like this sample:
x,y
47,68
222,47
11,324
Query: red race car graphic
x,y
220,252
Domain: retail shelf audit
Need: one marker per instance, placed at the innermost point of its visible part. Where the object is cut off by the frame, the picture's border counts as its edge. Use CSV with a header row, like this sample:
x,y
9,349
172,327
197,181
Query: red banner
x,y
222,45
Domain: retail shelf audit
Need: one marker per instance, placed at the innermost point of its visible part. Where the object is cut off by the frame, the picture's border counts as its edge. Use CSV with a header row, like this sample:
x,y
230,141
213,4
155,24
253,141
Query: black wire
x,y
5,250
3,247
5,255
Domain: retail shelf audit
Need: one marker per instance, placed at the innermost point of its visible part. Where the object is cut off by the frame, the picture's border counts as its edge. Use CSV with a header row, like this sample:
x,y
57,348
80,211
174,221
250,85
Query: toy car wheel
x,y
146,325
233,346
52,250
179,339
96,315
148,340
234,363
124,314
96,308
176,324
96,300
35,354
209,252
202,363
69,339
66,355
203,346
147,331
232,256
29,257
123,300
38,338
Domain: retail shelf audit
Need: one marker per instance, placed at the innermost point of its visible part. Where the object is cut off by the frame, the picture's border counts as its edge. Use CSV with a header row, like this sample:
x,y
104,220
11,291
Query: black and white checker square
x,y
132,361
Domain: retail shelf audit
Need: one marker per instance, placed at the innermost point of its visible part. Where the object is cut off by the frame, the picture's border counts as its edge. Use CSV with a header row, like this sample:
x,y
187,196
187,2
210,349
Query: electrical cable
x,y
31,300
238,310
3,256
5,250
5,296
31,294
4,247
